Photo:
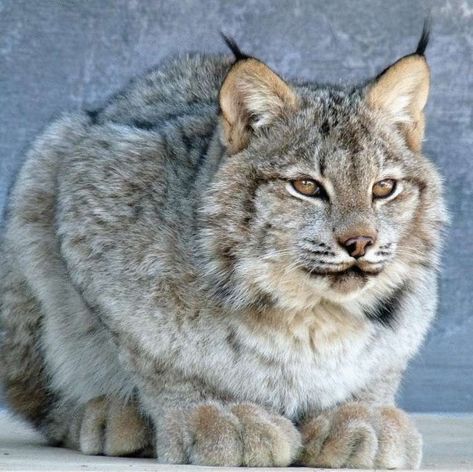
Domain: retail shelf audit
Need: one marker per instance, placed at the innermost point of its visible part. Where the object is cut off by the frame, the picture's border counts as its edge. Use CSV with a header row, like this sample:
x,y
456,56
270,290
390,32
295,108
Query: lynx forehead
x,y
222,267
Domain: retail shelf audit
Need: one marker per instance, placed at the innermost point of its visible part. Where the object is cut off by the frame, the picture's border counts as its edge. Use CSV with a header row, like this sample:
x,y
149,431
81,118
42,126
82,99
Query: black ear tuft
x,y
233,46
424,39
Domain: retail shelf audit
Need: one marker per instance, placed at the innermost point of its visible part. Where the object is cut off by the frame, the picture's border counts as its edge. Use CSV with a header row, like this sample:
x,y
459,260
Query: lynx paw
x,y
108,426
233,435
357,435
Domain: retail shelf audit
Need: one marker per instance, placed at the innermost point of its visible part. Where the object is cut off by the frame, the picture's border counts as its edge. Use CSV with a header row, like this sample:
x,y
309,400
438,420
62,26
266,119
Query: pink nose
x,y
356,246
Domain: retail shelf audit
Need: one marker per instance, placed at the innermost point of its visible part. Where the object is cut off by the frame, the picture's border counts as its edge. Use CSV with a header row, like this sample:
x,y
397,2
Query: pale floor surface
x,y
448,444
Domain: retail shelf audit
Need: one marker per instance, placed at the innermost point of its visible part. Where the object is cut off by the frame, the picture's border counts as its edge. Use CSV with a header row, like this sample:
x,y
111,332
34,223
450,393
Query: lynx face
x,y
323,192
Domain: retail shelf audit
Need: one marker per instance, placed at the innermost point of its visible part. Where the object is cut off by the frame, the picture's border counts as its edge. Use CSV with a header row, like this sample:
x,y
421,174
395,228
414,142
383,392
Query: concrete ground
x,y
448,444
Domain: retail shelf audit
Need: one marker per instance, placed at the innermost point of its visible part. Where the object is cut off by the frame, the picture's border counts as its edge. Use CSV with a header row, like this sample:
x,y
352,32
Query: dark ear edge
x,y
401,91
233,46
251,96
420,49
425,37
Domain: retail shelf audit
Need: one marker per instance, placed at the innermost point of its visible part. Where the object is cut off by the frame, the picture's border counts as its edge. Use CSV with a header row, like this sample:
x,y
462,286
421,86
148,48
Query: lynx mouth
x,y
352,271
349,279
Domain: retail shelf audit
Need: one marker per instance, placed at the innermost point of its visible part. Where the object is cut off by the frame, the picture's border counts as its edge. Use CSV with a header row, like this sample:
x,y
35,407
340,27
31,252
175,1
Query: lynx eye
x,y
384,188
308,187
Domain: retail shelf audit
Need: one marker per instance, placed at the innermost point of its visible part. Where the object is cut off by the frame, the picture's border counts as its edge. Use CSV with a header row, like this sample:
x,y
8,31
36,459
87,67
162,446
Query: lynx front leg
x,y
194,427
360,435
108,426
238,434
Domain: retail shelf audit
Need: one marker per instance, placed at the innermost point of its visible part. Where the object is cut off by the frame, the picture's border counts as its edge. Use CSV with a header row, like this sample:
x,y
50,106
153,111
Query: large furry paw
x,y
358,435
108,426
233,435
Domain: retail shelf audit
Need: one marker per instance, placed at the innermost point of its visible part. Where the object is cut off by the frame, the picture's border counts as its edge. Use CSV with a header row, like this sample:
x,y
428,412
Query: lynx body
x,y
220,267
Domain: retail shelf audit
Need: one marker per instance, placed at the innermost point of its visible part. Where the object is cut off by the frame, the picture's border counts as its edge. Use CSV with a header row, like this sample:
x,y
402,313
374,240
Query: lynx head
x,y
321,192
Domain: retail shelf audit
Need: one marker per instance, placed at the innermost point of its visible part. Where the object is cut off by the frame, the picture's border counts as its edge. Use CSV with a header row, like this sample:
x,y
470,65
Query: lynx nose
x,y
356,246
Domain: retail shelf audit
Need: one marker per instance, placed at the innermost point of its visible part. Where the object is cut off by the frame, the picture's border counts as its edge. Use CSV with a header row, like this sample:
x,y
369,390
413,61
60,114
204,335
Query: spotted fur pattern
x,y
155,274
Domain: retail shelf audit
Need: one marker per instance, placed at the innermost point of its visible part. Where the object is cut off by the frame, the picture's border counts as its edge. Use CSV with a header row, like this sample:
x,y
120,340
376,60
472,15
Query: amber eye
x,y
384,188
308,187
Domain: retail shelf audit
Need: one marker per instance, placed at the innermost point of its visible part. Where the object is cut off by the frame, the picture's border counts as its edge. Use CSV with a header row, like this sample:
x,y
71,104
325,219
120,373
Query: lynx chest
x,y
310,361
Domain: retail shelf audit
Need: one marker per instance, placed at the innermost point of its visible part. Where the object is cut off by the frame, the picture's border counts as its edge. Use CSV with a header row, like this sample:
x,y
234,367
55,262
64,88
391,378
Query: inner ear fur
x,y
401,91
251,96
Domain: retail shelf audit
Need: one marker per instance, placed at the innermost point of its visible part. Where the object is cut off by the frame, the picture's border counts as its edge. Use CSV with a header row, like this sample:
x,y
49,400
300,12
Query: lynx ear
x,y
251,96
402,90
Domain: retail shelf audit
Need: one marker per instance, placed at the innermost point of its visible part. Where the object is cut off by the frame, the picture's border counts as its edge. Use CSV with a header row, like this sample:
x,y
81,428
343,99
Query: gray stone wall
x,y
61,55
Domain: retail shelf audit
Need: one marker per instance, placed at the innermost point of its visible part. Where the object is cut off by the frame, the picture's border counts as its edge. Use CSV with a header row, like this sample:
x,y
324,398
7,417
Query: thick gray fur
x,y
142,262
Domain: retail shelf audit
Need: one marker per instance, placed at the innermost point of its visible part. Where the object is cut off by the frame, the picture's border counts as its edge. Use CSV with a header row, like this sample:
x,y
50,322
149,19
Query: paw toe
x,y
91,436
400,444
268,440
353,447
216,437
126,431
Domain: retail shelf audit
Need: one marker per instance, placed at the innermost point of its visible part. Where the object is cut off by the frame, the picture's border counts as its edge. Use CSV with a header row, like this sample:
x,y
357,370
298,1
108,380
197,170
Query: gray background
x,y
62,55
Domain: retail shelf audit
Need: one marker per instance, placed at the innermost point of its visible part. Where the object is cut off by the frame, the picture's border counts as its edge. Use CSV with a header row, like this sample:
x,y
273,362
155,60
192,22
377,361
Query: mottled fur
x,y
160,271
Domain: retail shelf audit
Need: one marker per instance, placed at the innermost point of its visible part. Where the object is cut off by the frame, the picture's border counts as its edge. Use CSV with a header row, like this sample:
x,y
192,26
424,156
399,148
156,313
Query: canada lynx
x,y
222,267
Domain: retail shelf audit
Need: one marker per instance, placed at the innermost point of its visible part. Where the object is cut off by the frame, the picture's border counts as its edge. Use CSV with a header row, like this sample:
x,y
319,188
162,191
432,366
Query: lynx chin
x,y
222,267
